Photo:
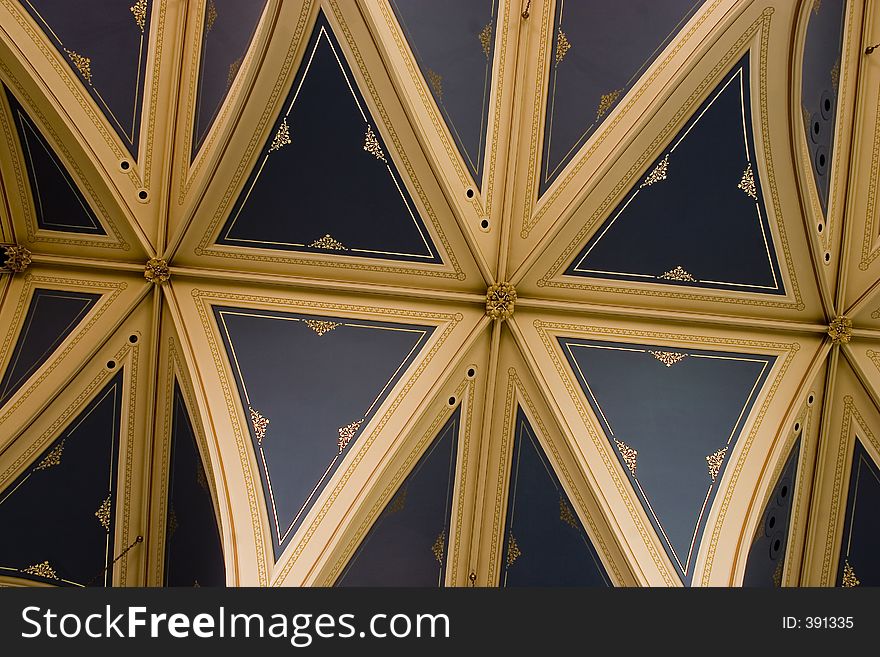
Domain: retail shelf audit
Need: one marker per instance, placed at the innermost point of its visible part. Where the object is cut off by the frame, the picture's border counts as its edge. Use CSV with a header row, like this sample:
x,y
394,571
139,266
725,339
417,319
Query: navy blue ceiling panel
x,y
105,42
324,181
58,516
229,28
308,384
697,218
819,82
58,203
859,564
674,443
454,45
408,543
767,554
545,543
51,317
598,52
193,552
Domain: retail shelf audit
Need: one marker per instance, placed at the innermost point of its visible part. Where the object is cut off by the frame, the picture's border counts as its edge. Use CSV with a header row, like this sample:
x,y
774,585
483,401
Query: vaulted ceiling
x,y
403,292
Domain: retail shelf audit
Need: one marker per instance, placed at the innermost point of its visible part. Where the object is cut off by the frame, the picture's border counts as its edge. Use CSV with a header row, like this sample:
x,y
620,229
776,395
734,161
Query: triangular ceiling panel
x,y
675,442
325,135
59,515
697,217
309,384
408,543
545,543
51,317
599,50
193,551
766,560
227,32
454,45
820,77
105,44
858,564
58,203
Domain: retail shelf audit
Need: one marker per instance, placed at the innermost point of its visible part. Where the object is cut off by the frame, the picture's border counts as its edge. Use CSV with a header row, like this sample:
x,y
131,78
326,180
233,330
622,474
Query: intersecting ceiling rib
x,y
398,292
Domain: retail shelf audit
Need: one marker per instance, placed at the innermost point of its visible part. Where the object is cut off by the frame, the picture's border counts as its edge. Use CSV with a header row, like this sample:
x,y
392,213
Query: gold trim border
x,y
869,254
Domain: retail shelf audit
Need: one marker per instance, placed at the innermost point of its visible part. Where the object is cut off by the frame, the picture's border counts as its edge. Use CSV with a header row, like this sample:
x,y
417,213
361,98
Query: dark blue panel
x,y
454,43
58,516
193,552
599,50
859,565
767,554
58,203
51,317
672,417
820,78
545,543
308,384
408,543
697,218
228,30
105,42
324,181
